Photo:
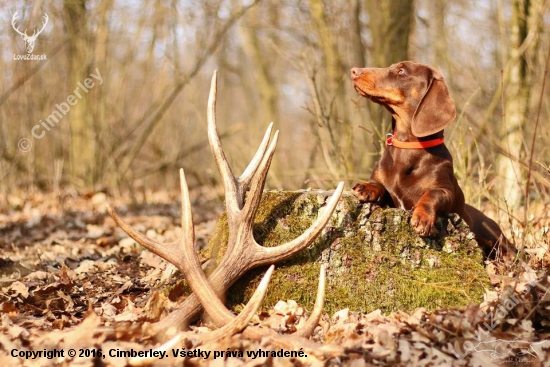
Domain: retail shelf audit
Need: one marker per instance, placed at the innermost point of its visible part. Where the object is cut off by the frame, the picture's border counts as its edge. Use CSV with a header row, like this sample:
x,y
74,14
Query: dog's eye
x,y
401,71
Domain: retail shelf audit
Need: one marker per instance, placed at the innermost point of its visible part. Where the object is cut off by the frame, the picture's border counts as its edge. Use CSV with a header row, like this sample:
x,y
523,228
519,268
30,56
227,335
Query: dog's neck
x,y
401,130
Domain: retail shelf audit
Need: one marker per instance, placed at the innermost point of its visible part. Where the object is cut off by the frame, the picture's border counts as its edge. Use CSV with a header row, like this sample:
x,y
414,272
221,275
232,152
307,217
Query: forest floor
x,y
72,281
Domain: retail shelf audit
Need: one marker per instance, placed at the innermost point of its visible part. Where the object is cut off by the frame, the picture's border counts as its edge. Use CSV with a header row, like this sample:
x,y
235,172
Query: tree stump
x,y
374,259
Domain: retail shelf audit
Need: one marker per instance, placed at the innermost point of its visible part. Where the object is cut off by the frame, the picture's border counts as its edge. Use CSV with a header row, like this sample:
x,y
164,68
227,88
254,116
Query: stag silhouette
x,y
29,40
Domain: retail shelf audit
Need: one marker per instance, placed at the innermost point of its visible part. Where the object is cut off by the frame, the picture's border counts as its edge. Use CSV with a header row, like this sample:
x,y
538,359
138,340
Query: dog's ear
x,y
436,109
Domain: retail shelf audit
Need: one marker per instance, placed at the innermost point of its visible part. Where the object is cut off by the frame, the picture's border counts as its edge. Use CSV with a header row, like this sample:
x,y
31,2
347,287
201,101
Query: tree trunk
x,y
390,24
264,83
332,126
439,10
83,145
99,100
355,34
524,35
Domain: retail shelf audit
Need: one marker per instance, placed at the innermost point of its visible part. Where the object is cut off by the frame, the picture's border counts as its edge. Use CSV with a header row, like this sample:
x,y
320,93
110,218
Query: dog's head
x,y
415,92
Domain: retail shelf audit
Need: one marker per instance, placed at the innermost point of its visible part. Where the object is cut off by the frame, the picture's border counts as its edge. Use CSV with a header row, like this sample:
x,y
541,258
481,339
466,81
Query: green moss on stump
x,y
374,259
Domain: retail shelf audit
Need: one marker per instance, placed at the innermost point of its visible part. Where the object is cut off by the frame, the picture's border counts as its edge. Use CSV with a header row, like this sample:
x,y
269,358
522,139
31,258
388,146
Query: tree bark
x,y
524,35
355,34
439,9
390,25
99,100
264,83
82,154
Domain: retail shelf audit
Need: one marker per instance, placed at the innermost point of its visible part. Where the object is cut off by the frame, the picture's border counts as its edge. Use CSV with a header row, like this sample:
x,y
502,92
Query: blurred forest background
x,y
284,61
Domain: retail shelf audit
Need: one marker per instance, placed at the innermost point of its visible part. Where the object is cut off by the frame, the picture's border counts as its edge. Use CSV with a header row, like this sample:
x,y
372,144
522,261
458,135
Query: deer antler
x,y
44,23
243,252
29,40
35,33
23,34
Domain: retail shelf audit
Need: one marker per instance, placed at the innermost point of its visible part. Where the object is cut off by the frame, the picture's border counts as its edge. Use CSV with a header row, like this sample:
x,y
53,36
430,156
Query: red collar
x,y
391,141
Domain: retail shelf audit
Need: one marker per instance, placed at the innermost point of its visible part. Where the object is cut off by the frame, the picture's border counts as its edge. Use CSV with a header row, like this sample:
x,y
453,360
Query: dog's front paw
x,y
423,221
368,192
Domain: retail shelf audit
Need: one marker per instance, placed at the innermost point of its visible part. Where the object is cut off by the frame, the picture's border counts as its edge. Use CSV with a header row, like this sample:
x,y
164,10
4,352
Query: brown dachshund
x,y
416,170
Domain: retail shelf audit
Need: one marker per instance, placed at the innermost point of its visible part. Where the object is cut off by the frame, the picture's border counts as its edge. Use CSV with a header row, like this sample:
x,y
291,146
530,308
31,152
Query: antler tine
x,y
271,255
163,250
258,182
187,227
243,318
189,262
233,199
248,173
317,311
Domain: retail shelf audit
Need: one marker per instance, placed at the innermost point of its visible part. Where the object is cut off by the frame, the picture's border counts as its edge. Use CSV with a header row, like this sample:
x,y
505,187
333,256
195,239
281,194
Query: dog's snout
x,y
356,73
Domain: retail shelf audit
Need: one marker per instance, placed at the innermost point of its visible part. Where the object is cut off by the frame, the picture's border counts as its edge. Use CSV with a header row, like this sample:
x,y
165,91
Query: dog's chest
x,y
403,180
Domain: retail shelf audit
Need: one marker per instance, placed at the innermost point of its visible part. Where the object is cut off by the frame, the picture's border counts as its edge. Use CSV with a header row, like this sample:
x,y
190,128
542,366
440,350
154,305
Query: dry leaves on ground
x,y
70,279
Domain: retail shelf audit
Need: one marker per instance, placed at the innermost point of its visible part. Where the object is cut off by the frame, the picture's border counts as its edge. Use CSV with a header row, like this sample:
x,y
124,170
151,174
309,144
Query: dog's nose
x,y
356,73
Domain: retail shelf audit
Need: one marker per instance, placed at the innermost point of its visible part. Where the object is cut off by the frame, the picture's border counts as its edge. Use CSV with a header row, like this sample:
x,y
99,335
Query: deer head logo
x,y
29,40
